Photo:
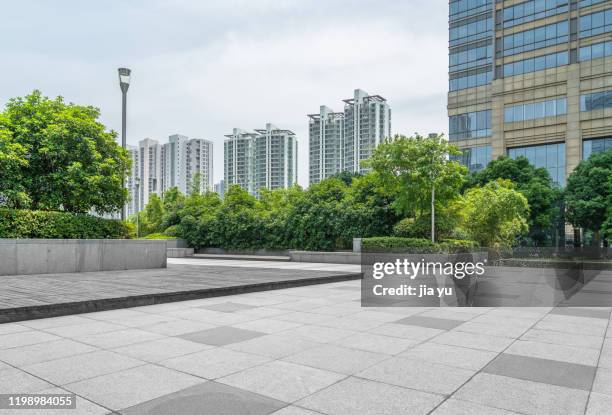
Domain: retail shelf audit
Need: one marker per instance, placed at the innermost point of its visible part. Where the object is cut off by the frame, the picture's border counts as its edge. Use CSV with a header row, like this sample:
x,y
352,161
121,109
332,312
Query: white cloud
x,y
202,68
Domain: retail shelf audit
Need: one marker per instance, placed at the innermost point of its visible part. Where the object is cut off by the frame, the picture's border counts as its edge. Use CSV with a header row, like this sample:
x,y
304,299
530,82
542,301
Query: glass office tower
x,y
530,78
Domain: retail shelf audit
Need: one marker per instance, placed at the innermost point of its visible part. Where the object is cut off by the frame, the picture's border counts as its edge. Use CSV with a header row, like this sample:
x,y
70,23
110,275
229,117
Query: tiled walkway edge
x,y
15,314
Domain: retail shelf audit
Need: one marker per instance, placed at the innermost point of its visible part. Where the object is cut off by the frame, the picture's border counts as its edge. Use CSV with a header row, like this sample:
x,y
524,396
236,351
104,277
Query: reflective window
x,y
472,79
595,23
537,38
595,51
532,10
471,30
585,3
596,101
471,56
536,64
469,125
463,8
535,110
595,146
475,158
548,156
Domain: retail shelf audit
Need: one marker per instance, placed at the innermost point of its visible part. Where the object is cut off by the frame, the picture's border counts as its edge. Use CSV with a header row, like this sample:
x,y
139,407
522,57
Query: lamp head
x,y
124,79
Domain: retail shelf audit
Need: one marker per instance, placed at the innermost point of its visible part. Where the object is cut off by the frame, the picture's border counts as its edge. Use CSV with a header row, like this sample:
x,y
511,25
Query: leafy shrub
x,y
59,225
158,236
171,231
381,243
421,245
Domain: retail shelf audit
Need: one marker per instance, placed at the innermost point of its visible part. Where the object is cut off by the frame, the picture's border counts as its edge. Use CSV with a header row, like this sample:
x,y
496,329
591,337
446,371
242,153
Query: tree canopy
x,y
587,195
495,214
59,157
534,183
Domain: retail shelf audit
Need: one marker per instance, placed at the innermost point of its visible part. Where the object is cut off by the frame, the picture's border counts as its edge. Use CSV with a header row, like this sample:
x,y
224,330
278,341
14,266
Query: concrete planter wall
x,y
326,257
46,256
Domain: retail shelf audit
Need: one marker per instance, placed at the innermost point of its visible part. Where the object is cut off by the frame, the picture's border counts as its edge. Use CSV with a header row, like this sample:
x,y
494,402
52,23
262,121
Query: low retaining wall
x,y
326,257
180,252
47,256
221,251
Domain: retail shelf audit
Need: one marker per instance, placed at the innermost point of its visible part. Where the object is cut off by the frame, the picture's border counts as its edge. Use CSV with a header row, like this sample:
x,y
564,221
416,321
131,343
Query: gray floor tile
x,y
457,407
454,356
572,328
228,307
473,341
221,336
523,396
295,410
177,327
376,343
42,352
431,322
534,369
25,338
83,366
603,381
567,339
78,330
337,359
417,374
133,386
360,396
207,398
581,356
275,346
406,332
582,312
214,363
119,338
284,381
18,381
162,349
318,333
267,325
8,328
599,404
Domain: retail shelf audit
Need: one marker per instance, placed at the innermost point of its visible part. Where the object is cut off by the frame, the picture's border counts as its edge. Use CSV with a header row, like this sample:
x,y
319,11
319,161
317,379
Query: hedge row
x,y
59,225
421,245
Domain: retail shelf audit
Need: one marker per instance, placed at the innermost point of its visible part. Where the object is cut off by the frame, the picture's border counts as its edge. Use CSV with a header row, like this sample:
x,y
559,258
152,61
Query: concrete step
x,y
244,257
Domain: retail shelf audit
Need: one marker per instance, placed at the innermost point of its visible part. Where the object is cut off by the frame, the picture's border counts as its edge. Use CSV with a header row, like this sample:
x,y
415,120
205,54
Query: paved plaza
x,y
314,350
23,297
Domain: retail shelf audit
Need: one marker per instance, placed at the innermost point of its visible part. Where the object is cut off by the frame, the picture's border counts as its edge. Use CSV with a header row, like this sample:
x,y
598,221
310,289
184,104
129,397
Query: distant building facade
x,y
340,141
266,158
158,167
326,138
220,188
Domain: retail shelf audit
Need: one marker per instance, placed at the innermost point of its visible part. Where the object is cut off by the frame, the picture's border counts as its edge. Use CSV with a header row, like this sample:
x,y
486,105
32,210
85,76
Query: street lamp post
x,y
137,185
124,83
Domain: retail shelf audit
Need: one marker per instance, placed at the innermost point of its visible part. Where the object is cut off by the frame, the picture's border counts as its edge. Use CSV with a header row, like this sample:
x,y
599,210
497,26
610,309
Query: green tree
x,y
418,172
74,164
12,160
534,183
495,214
173,201
587,193
151,217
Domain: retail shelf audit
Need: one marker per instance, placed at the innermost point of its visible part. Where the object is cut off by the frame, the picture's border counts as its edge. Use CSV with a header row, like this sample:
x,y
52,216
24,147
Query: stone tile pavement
x,y
313,350
24,297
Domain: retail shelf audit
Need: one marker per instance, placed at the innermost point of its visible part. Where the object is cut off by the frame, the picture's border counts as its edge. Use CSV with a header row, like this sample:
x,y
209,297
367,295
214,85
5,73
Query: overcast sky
x,y
202,67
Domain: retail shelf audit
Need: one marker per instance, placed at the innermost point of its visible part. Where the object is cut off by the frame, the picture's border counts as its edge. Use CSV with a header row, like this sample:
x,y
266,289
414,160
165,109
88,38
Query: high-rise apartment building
x,y
530,78
238,159
158,167
182,159
326,152
146,173
340,141
275,158
367,122
266,158
220,188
